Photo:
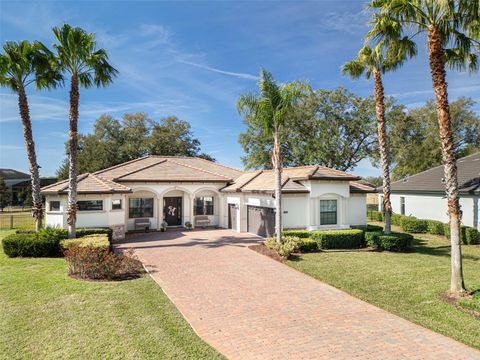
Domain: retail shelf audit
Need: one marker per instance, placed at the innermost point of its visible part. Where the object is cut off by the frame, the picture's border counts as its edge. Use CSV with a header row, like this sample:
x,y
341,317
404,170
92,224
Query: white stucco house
x,y
423,195
183,189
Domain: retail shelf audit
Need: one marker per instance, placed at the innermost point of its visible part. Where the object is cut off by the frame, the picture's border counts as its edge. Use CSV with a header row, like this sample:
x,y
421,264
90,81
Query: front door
x,y
172,210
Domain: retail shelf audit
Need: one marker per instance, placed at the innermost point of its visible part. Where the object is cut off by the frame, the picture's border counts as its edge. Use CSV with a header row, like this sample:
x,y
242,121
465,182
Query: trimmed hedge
x,y
393,242
307,245
289,245
396,219
338,239
371,227
30,245
470,235
411,224
96,241
435,227
302,234
46,242
375,215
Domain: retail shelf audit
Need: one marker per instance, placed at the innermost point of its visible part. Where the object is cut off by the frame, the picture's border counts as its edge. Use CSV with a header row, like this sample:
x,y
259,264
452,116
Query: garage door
x,y
232,217
261,221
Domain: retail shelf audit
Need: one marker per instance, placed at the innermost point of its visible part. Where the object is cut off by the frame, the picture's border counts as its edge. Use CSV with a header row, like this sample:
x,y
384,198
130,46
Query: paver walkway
x,y
249,306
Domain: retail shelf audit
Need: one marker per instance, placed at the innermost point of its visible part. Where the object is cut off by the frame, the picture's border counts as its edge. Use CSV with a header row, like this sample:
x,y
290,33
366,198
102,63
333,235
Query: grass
x,y
18,218
48,315
406,284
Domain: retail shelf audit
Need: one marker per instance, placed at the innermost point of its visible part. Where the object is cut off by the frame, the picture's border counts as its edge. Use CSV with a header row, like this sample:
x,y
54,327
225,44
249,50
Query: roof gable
x,y
431,180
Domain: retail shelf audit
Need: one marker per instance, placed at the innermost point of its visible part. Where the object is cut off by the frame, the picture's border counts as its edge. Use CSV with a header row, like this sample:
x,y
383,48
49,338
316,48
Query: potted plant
x,y
163,225
188,225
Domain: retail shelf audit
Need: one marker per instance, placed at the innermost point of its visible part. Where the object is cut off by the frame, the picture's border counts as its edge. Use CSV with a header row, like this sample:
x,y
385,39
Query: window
x,y
90,205
141,207
381,204
116,204
402,205
328,212
203,206
54,205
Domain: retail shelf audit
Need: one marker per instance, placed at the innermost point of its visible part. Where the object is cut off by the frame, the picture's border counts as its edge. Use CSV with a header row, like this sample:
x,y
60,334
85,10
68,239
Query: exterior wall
x,y
299,210
434,207
357,214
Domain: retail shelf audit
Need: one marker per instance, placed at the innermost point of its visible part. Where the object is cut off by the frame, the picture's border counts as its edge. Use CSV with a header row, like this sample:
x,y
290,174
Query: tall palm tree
x,y
453,37
21,64
78,57
376,61
271,109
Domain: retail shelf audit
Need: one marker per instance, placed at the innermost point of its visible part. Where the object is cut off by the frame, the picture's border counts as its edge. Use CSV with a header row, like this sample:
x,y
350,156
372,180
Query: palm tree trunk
x,y
277,165
437,69
37,212
72,170
383,146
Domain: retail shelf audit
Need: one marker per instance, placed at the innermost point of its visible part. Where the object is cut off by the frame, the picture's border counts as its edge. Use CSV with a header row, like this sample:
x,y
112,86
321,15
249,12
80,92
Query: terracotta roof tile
x,y
87,184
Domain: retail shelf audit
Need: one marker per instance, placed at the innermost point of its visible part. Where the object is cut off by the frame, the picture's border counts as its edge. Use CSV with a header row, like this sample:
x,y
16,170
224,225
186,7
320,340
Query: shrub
x,y
302,234
375,215
289,245
395,242
469,235
307,245
30,245
371,227
396,219
371,238
435,227
94,231
88,262
98,241
411,224
339,239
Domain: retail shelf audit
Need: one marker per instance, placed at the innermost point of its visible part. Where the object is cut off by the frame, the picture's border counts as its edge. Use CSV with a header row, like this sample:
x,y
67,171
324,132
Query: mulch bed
x,y
453,300
262,249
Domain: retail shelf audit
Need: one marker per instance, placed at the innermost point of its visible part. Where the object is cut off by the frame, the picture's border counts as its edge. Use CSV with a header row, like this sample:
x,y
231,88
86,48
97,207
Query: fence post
x,y
11,221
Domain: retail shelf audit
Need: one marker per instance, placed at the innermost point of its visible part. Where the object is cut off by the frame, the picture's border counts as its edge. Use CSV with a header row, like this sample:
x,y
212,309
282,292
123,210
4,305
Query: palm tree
x,y
78,57
271,108
22,64
376,61
453,36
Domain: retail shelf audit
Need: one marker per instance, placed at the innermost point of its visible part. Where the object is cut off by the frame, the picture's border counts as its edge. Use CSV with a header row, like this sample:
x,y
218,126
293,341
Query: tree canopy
x,y
114,141
414,140
334,128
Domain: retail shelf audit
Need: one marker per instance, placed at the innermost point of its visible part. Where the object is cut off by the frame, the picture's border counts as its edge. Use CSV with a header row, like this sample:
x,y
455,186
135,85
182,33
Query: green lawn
x,y
20,219
408,284
47,315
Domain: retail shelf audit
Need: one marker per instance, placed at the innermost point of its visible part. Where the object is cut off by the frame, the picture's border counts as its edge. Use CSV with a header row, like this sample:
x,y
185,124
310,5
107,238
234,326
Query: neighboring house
x,y
185,189
423,195
18,182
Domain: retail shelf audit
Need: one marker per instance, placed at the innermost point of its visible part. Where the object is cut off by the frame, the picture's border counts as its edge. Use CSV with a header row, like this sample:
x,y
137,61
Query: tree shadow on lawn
x,y
420,246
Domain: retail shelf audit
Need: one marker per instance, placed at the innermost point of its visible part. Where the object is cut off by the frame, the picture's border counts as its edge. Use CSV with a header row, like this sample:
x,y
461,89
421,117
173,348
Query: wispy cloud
x,y
457,90
212,69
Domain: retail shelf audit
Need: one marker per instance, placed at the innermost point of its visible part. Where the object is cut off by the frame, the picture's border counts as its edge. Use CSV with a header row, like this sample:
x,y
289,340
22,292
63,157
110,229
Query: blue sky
x,y
193,60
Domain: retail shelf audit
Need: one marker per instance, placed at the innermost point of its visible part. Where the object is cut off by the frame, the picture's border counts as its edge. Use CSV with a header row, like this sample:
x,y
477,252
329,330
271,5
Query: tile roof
x,y
468,172
358,187
87,184
264,180
191,169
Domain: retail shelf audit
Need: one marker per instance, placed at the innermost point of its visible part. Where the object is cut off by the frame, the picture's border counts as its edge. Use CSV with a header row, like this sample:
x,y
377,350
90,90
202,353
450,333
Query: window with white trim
x,y
140,207
54,205
117,204
90,205
328,212
203,205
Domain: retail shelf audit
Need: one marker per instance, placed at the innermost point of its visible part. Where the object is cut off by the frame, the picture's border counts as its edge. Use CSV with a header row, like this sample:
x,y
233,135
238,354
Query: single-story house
x,y
423,195
178,190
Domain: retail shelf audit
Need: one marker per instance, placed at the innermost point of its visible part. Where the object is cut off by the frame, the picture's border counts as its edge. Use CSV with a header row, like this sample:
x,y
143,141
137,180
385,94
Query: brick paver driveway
x,y
251,307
